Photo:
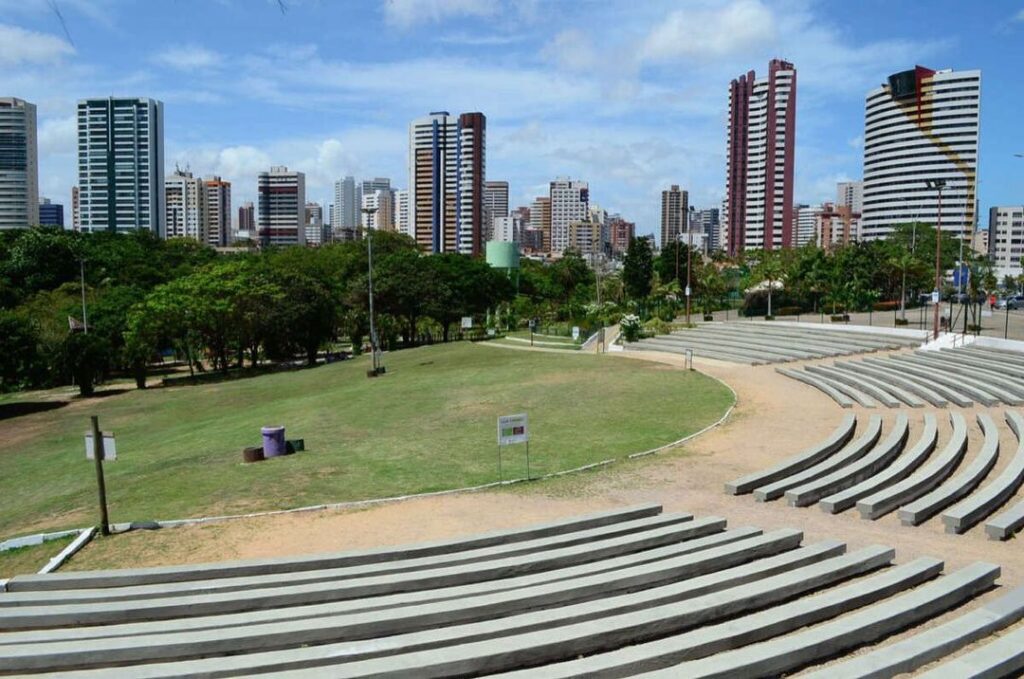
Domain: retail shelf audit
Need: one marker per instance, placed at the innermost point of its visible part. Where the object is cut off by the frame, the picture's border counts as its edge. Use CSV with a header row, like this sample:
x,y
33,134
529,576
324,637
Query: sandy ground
x,y
775,417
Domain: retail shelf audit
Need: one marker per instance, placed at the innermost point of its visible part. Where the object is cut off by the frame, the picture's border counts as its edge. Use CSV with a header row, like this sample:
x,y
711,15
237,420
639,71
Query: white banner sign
x,y
467,322
575,332
109,449
513,429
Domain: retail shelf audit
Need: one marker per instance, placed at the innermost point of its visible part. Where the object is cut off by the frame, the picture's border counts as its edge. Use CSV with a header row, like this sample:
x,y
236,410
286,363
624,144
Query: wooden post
x,y
97,456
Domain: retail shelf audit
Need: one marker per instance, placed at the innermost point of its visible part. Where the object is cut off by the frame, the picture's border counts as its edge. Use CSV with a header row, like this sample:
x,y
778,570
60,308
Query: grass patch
x,y
30,559
429,424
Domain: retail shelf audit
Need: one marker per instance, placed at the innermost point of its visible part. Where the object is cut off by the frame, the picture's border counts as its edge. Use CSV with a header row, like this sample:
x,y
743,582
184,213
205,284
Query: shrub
x,y
902,321
886,306
631,327
666,313
787,311
657,326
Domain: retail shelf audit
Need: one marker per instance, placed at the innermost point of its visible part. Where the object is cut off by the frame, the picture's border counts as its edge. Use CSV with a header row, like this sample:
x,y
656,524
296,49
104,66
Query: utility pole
x,y
97,456
377,368
81,271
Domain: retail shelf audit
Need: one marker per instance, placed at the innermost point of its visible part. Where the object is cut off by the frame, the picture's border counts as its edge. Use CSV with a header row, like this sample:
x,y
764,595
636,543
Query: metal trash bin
x,y
273,441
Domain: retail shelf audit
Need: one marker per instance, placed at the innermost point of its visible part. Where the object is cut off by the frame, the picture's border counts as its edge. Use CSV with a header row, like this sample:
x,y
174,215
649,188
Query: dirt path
x,y
775,417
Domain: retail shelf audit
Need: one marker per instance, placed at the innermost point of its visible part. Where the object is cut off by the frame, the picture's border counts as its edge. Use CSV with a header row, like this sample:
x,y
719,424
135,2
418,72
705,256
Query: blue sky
x,y
630,96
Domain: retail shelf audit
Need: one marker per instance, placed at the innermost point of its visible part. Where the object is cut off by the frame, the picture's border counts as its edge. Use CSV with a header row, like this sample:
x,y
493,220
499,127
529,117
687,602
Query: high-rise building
x,y
836,225
620,232
185,205
675,211
121,164
1006,239
347,202
76,221
246,217
402,212
919,127
50,214
381,218
508,229
314,224
19,164
540,220
706,221
281,218
570,202
447,168
760,159
495,203
218,211
805,217
851,195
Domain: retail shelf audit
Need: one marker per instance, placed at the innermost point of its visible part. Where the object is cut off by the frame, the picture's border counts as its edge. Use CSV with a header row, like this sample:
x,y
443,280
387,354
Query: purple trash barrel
x,y
273,441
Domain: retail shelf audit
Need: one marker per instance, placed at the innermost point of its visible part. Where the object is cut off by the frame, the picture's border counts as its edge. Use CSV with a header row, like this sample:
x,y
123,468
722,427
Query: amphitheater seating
x,y
878,479
614,594
962,376
756,343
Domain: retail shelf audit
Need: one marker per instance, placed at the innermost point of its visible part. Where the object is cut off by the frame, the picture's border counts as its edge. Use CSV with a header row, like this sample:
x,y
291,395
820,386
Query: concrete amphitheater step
x,y
986,361
612,632
599,631
939,361
791,352
830,389
981,386
814,454
648,345
869,339
1006,524
737,347
58,612
985,394
844,387
920,649
888,386
231,584
906,385
952,395
1002,657
791,652
857,382
775,342
960,485
851,452
203,571
379,603
993,495
925,479
848,475
898,470
546,606
1006,355
769,623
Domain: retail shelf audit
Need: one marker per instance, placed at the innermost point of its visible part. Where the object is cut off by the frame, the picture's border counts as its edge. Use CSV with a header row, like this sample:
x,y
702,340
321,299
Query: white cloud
x,y
572,49
58,135
19,46
483,40
407,13
1019,16
740,27
188,57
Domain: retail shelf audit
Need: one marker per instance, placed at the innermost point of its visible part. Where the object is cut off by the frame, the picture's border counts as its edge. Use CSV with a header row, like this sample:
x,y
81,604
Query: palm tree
x,y
769,269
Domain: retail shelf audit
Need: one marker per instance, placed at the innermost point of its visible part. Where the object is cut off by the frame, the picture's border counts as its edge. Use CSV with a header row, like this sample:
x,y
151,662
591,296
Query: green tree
x,y
86,357
21,364
770,269
638,269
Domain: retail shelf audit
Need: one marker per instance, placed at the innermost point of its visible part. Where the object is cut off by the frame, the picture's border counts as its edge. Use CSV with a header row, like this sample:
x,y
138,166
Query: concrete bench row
x,y
710,602
757,343
880,476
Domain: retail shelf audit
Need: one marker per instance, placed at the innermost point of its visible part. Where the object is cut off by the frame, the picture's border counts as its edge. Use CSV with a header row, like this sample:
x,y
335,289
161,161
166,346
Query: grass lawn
x,y
428,424
30,559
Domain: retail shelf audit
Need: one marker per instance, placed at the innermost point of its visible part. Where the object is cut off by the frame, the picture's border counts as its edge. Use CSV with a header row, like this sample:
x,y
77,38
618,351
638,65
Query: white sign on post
x,y
467,322
935,296
109,448
513,429
575,332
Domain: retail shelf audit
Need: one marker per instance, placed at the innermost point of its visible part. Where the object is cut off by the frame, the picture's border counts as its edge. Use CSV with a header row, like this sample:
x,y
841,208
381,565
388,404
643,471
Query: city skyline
x,y
336,112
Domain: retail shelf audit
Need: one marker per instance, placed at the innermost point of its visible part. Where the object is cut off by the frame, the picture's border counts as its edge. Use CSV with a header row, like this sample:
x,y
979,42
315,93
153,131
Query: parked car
x,y
1012,302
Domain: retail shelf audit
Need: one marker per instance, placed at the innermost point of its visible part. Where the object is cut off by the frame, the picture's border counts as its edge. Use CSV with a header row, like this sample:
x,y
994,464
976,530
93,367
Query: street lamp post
x,y
938,185
374,351
689,256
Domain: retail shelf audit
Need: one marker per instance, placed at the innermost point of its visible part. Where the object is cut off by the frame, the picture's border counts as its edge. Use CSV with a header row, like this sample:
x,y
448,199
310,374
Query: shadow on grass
x,y
17,409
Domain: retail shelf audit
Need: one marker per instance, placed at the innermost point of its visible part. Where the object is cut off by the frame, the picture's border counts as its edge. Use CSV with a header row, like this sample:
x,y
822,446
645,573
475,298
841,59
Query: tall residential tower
x,y
121,164
19,164
760,159
921,126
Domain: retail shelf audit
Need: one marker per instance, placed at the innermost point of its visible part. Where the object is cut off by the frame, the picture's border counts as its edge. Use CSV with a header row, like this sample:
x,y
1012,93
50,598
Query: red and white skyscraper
x,y
760,159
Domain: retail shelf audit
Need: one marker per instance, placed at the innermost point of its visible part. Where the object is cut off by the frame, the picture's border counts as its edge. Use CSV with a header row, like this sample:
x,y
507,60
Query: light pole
x,y
689,255
374,351
85,318
938,185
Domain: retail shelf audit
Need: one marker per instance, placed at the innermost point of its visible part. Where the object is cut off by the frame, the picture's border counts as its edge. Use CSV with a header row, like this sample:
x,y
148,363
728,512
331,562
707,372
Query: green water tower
x,y
505,256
